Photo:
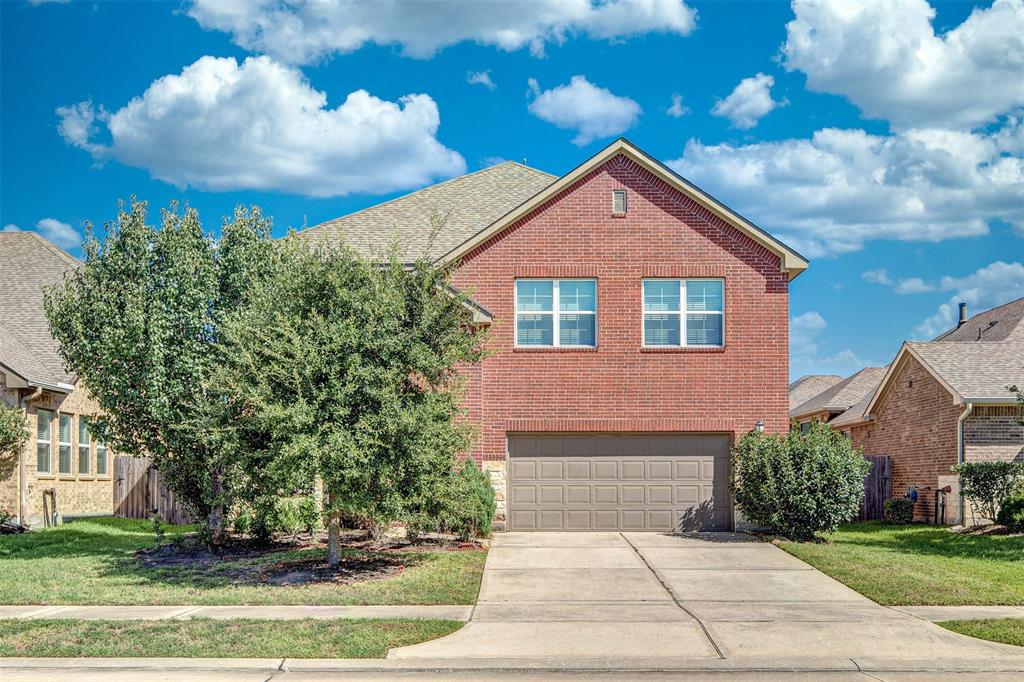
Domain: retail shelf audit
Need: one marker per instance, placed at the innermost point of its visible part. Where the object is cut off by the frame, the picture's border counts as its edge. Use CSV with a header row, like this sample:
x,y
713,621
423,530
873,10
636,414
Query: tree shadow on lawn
x,y
931,540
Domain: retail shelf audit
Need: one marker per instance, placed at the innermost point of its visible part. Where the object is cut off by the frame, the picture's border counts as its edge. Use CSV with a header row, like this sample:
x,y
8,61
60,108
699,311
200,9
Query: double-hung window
x,y
44,421
556,312
101,458
686,313
84,453
64,444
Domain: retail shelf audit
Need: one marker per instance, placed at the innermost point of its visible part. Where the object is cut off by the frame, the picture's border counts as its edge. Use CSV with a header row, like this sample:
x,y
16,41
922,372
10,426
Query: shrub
x,y
13,434
899,510
798,484
309,515
1011,512
472,505
988,484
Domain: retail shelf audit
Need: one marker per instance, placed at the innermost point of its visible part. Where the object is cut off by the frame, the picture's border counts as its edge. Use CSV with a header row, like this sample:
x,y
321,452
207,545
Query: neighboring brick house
x,y
61,453
836,399
810,385
637,327
946,401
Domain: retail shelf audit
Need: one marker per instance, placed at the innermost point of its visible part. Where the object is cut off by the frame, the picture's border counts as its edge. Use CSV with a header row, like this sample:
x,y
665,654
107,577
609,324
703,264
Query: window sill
x,y
45,477
683,349
554,349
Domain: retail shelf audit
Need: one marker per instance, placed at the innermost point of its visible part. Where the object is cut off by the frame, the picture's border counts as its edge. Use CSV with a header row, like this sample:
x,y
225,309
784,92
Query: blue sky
x,y
883,140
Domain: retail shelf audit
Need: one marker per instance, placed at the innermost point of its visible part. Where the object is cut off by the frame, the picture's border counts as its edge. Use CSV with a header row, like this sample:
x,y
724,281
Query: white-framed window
x,y
84,451
44,422
686,313
101,458
64,444
556,313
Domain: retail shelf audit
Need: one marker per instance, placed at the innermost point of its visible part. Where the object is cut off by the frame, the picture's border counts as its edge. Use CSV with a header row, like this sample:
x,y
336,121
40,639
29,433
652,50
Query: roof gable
x,y
30,263
791,262
843,395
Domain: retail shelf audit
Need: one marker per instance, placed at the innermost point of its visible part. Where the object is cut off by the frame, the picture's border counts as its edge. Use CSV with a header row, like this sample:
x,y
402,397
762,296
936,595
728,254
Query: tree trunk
x,y
333,532
215,519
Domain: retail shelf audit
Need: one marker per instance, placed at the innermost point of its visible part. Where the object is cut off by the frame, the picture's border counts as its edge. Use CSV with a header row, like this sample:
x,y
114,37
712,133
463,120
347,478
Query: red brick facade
x,y
916,425
620,386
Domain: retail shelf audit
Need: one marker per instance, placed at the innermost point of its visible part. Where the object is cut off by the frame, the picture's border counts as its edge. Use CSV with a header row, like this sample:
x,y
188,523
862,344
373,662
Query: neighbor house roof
x,y
27,350
975,362
476,207
810,385
843,395
466,205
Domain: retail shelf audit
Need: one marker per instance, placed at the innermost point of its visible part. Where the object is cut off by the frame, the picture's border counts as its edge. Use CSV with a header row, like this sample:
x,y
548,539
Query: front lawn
x,y
95,562
1005,630
204,638
920,565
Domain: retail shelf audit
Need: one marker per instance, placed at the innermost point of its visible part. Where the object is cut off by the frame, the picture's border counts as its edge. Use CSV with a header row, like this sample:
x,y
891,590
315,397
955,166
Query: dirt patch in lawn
x,y
991,529
241,560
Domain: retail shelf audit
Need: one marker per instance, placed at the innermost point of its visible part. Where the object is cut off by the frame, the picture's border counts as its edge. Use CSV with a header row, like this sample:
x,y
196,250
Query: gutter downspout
x,y
968,408
22,483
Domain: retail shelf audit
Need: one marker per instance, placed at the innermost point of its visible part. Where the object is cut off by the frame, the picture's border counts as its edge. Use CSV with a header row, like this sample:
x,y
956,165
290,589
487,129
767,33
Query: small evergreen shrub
x,y
898,510
1011,512
798,484
988,484
474,503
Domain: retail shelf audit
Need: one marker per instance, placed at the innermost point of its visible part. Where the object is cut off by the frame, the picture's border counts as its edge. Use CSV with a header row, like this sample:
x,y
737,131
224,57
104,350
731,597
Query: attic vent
x,y
618,202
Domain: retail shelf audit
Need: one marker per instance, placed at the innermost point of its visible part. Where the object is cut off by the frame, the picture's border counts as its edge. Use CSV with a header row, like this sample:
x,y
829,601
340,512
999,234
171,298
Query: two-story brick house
x,y
637,328
61,454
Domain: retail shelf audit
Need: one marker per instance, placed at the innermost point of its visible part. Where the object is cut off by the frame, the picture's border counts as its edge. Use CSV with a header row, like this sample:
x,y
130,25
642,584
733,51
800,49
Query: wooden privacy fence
x,y
877,488
138,491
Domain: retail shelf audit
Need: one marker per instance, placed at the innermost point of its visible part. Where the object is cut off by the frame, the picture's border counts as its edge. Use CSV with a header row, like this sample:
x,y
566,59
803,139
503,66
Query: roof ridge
x,y
59,252
443,183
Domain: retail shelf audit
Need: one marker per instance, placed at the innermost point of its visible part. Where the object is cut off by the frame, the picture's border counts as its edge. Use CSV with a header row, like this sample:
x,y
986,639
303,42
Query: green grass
x,y
204,638
92,562
920,565
1005,630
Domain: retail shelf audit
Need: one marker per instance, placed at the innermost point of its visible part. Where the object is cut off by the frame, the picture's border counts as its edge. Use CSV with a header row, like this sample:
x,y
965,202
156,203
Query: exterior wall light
x,y
759,426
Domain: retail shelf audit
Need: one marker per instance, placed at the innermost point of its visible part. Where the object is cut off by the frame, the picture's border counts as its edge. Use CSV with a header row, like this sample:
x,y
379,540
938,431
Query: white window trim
x,y
102,447
48,443
681,312
70,444
554,312
87,446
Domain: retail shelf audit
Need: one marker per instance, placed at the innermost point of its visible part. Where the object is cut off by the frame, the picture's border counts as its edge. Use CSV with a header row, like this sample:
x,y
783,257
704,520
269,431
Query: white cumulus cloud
x,y
831,193
989,286
806,356
887,59
591,111
305,31
748,103
677,109
11,227
220,125
481,78
61,234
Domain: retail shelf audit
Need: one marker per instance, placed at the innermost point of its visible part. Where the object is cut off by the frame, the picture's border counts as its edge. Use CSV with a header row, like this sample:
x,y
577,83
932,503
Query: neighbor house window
x,y
84,453
64,444
101,458
44,419
556,312
684,313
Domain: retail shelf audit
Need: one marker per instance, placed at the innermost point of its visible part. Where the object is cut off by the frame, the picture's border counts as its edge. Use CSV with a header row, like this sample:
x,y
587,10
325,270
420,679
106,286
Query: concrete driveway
x,y
715,597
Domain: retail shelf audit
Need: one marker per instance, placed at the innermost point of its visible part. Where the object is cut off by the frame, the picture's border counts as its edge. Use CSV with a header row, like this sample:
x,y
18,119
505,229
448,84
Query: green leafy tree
x,y
13,435
988,484
798,484
345,369
1019,392
140,322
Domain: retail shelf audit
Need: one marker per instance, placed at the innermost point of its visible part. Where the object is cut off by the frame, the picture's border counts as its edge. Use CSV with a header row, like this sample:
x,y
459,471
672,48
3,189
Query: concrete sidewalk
x,y
263,670
459,613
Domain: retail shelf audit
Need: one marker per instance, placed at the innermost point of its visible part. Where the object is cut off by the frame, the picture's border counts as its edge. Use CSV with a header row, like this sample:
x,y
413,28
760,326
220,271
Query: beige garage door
x,y
618,482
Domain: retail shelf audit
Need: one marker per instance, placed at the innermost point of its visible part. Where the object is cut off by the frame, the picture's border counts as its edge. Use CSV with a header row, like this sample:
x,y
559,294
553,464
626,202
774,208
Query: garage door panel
x,y
611,482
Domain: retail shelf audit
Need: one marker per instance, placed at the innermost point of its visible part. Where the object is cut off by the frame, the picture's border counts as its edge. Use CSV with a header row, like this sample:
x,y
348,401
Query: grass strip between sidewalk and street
x,y
1005,630
920,565
204,638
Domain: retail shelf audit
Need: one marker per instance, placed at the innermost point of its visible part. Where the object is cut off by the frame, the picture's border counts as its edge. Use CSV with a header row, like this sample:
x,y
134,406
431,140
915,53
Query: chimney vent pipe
x,y
963,315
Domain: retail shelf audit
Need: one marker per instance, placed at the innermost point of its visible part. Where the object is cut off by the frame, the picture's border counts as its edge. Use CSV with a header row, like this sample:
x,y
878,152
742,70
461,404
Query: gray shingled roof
x,y
843,395
28,263
855,414
991,326
468,204
810,385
